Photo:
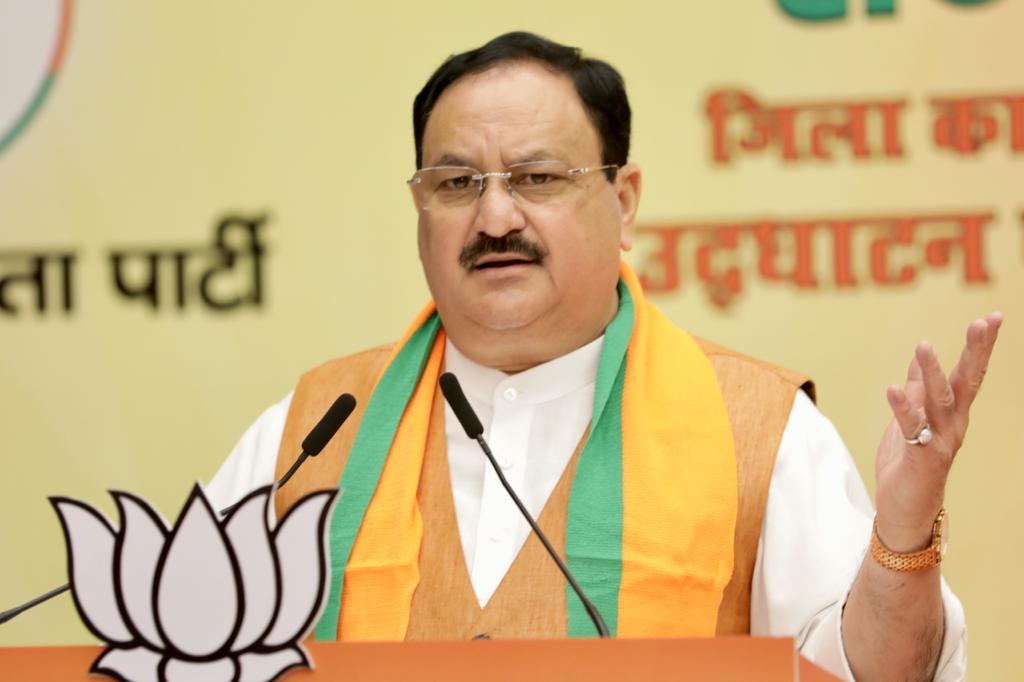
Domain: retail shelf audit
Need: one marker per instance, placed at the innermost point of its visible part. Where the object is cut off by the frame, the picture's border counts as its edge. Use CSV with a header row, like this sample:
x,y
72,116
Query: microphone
x,y
474,429
316,440
313,443
324,431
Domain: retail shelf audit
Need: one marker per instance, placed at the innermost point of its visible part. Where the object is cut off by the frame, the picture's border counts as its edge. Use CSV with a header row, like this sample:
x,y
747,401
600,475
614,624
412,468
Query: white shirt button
x,y
510,394
505,463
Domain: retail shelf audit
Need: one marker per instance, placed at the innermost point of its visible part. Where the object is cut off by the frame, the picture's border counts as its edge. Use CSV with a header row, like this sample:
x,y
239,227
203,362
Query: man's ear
x,y
628,183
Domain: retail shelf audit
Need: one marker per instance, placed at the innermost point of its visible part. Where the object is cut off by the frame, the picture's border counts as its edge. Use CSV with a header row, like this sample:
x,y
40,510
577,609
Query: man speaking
x,y
693,491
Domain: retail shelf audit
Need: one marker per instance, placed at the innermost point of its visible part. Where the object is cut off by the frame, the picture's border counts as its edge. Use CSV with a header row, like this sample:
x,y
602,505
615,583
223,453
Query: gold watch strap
x,y
913,561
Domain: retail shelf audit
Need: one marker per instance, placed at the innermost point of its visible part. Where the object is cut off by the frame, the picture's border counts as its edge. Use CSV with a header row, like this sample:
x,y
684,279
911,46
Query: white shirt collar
x,y
539,384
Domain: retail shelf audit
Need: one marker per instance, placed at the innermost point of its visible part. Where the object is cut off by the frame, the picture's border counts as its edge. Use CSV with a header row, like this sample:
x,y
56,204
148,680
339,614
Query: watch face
x,y
943,535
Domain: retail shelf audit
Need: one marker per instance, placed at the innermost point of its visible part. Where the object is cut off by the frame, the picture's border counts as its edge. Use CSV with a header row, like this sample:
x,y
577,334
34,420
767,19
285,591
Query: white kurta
x,y
816,527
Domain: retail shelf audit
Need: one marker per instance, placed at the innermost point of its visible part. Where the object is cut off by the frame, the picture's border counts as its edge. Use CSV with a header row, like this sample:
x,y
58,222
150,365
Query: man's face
x,y
561,278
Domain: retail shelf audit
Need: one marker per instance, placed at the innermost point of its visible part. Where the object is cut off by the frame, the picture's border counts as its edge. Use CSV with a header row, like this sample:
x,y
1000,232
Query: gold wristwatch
x,y
913,561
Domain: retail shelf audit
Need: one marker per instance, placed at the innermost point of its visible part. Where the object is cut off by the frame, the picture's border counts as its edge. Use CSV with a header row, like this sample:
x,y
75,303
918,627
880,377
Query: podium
x,y
723,659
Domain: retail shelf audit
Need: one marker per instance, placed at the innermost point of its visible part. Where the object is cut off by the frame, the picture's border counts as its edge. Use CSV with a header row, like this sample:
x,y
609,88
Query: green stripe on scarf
x,y
366,461
593,535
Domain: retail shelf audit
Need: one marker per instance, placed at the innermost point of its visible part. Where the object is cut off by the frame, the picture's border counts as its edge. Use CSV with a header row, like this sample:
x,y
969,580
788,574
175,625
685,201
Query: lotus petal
x,y
198,589
219,670
263,667
90,544
138,547
300,543
138,664
247,531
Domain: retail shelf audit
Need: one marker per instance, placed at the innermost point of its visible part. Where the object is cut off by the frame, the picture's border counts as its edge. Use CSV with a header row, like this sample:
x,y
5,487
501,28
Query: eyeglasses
x,y
535,182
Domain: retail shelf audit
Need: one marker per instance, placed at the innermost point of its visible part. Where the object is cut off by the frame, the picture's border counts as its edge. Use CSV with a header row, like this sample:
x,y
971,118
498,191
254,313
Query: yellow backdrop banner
x,y
199,201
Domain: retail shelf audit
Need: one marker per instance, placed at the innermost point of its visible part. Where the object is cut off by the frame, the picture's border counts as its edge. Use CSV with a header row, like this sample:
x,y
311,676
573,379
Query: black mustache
x,y
513,242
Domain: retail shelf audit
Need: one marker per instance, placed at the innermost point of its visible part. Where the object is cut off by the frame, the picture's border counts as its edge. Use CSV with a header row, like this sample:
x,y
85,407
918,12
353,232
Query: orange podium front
x,y
724,659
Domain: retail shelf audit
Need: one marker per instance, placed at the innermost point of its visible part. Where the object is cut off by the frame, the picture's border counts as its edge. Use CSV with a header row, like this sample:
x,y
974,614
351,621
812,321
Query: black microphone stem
x,y
475,430
284,479
295,467
7,615
595,615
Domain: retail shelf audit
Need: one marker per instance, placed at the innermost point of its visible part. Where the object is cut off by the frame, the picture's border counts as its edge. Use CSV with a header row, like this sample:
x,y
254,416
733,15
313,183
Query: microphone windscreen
x,y
329,424
460,406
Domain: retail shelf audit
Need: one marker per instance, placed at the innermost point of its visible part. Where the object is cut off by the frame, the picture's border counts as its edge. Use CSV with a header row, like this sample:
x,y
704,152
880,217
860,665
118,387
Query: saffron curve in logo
x,y
33,36
212,599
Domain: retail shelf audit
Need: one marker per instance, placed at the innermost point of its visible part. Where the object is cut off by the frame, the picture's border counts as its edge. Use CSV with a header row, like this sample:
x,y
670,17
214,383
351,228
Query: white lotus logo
x,y
207,600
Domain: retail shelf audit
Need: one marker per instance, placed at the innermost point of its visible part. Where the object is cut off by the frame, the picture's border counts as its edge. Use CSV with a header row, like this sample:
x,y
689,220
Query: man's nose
x,y
498,211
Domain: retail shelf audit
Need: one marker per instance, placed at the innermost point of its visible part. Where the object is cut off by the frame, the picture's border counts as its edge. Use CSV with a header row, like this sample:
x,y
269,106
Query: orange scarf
x,y
652,510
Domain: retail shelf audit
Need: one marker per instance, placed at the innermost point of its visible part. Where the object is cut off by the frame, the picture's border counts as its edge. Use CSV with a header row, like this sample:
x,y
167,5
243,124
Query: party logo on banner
x,y
825,10
33,36
211,598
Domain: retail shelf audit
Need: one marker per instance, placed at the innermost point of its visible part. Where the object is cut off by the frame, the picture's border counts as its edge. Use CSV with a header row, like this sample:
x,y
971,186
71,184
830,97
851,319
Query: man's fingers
x,y
915,384
908,416
938,396
995,321
969,373
914,370
966,377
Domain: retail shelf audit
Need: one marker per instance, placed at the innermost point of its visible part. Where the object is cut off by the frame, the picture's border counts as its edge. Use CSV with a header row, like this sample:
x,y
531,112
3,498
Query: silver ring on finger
x,y
923,437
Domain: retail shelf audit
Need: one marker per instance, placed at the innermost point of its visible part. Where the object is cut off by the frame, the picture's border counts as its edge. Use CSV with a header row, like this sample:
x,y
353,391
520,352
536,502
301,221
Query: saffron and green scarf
x,y
652,508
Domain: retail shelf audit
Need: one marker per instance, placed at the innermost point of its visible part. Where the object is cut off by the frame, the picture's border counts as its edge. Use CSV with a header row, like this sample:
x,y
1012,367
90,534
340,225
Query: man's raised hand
x,y
911,478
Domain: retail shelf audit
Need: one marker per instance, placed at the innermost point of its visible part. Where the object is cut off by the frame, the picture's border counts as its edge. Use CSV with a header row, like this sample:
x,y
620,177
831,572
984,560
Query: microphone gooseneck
x,y
312,444
18,610
474,429
319,436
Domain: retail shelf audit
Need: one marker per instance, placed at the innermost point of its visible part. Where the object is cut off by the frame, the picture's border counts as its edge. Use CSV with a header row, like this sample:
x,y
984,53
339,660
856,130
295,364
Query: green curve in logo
x,y
44,88
23,120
